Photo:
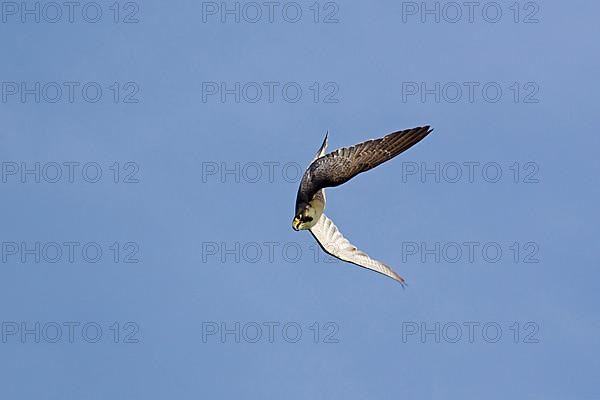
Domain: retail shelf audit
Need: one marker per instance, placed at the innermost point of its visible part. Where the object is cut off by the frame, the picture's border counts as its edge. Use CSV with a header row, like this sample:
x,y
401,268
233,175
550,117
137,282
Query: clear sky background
x,y
176,218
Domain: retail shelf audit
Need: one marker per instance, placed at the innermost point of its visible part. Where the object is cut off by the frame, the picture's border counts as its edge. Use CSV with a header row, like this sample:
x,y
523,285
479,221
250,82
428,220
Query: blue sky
x,y
189,250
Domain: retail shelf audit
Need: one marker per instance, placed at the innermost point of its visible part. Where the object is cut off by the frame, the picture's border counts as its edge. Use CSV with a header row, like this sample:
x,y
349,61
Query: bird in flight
x,y
334,169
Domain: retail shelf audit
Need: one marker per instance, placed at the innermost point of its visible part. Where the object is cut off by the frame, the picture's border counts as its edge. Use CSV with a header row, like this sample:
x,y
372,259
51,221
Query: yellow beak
x,y
296,224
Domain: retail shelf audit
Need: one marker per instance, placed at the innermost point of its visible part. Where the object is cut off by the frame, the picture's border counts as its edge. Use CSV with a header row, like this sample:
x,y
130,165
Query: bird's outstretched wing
x,y
332,242
343,164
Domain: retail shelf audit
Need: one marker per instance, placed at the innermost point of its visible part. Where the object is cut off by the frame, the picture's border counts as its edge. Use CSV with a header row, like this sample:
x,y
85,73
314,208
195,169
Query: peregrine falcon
x,y
335,168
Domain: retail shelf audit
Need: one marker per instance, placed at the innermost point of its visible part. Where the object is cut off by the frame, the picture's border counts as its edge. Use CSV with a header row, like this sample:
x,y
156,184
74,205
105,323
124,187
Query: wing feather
x,y
323,148
343,164
334,243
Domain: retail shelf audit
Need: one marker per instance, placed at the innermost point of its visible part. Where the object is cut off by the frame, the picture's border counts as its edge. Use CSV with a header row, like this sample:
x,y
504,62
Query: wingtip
x,y
326,139
401,281
395,276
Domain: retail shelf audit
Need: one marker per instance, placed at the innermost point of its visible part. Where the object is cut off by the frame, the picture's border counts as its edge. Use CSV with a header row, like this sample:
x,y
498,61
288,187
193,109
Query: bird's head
x,y
306,218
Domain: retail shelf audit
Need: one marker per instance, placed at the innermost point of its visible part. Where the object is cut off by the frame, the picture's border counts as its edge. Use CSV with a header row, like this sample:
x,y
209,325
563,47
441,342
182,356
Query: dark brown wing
x,y
343,164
